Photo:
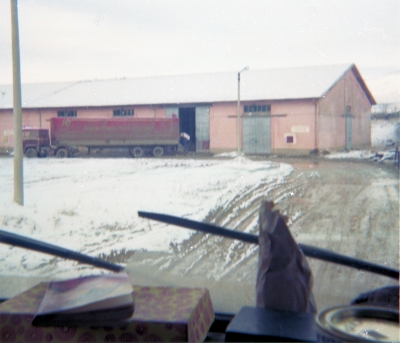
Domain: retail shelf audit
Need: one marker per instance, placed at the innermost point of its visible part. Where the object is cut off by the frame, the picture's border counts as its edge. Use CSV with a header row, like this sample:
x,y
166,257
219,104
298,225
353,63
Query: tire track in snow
x,y
332,204
215,256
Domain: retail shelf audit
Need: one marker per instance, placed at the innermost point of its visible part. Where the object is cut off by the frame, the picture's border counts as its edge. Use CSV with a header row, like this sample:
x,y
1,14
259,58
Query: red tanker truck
x,y
140,135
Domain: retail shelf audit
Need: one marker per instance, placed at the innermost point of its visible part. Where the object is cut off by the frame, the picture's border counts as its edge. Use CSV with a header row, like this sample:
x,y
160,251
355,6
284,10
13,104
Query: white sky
x,y
98,39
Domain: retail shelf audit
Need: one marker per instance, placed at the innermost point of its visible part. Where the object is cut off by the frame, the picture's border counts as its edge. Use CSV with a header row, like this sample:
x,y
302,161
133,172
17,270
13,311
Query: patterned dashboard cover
x,y
161,314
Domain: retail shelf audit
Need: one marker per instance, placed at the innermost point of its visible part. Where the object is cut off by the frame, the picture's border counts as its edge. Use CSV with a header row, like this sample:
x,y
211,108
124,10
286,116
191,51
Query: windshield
x,y
31,134
300,134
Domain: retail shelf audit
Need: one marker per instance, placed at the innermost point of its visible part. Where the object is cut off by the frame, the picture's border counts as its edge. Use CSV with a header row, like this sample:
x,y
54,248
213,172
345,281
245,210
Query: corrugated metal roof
x,y
272,84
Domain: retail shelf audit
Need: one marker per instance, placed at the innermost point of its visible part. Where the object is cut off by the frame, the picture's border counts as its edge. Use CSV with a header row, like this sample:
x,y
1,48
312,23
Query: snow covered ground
x,y
384,132
91,205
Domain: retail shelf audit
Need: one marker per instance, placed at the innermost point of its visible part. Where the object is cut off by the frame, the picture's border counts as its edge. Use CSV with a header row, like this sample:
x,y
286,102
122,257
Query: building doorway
x,y
187,123
257,135
349,129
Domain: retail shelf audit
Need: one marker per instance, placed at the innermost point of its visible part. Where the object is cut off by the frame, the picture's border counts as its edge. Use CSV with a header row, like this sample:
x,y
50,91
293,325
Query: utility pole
x,y
18,153
238,114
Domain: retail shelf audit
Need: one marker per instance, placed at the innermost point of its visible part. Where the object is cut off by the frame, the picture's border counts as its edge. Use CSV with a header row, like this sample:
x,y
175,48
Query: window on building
x,y
289,139
67,113
124,112
257,108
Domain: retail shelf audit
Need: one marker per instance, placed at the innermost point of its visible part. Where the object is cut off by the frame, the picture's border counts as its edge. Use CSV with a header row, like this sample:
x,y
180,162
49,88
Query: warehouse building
x,y
289,110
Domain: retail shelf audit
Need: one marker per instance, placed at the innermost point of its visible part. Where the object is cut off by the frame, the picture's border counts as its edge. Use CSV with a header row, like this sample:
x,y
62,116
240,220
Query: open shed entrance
x,y
187,123
195,121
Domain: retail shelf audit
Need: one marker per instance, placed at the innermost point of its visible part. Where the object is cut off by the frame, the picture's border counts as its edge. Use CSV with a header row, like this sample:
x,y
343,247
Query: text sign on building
x,y
300,129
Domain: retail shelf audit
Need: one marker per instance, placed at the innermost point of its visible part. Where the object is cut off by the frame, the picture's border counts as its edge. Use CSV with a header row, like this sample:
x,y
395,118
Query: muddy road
x,y
347,207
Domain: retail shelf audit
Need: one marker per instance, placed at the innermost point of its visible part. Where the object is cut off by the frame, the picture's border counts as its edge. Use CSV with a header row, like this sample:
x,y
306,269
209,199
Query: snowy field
x,y
91,205
385,131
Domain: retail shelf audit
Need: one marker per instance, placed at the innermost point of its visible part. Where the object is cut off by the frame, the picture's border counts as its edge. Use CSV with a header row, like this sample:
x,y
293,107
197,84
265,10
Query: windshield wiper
x,y
308,250
33,244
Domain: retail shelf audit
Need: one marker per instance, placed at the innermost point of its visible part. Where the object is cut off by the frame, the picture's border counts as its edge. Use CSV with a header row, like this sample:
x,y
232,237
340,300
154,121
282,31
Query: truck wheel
x,y
171,149
137,151
180,149
158,151
62,153
30,152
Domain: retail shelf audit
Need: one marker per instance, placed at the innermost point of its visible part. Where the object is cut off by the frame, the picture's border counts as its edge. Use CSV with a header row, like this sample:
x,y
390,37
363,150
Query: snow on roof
x,y
272,84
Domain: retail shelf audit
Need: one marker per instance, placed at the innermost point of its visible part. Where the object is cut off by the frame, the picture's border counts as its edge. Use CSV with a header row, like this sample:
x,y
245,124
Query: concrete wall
x,y
331,122
223,127
288,117
6,130
149,112
295,118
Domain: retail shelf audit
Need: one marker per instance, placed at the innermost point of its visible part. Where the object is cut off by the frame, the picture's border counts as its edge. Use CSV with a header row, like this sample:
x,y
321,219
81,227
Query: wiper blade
x,y
308,250
33,244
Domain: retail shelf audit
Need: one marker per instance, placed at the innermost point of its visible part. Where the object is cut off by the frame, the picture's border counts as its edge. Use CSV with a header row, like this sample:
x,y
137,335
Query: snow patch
x,y
91,205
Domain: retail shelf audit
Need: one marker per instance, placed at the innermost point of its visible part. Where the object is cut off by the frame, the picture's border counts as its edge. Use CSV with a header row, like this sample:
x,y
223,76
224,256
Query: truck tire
x,y
42,154
62,153
180,149
158,151
137,151
171,149
30,152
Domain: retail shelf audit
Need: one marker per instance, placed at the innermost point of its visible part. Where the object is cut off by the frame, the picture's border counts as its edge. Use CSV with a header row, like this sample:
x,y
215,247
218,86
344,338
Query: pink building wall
x,y
288,117
223,127
6,130
292,118
331,122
